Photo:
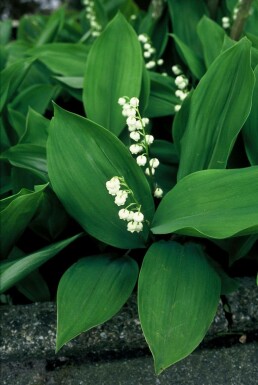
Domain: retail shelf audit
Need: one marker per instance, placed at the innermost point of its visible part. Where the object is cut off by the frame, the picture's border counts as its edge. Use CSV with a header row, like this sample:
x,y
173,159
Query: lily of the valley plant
x,y
133,134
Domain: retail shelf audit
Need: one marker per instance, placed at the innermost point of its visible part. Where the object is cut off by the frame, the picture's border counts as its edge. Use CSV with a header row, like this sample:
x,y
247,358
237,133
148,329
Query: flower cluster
x,y
136,127
236,9
157,7
133,17
225,22
149,52
117,187
181,82
91,16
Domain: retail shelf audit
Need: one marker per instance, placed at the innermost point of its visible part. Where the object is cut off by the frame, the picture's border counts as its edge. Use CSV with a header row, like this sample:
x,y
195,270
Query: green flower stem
x,y
123,183
239,23
157,7
146,146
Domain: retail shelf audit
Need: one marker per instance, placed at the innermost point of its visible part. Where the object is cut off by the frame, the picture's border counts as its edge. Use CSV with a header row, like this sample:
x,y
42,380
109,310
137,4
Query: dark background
x,y
14,9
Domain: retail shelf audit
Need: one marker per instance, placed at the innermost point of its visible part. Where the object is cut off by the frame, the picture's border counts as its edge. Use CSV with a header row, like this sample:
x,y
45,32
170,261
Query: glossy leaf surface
x,y
190,58
113,70
91,292
219,107
15,270
185,20
82,157
211,203
212,37
16,213
66,59
178,295
162,96
250,129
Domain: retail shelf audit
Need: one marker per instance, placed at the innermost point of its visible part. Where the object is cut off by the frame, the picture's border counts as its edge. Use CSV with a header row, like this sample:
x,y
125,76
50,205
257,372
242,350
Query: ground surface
x,y
116,353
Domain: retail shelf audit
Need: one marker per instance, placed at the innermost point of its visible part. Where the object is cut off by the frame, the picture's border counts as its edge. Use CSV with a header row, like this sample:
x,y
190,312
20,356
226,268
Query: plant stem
x,y
157,8
239,23
213,7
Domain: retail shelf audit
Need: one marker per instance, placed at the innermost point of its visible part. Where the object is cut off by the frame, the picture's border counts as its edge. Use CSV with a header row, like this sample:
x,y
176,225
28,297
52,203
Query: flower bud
x,y
141,160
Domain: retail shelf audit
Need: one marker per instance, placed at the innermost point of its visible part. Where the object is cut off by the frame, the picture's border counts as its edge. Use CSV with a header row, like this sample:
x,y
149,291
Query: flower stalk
x,y
136,127
118,188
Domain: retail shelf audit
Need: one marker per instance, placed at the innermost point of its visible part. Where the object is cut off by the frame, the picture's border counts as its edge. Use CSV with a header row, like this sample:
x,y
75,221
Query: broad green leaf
x,y
127,7
254,57
228,43
180,122
211,35
231,4
72,81
113,70
3,56
252,20
240,247
253,39
250,129
178,295
66,59
37,97
165,151
165,175
16,50
145,91
162,96
5,181
185,18
34,287
219,107
30,27
100,13
190,58
82,157
228,284
254,49
5,31
52,27
29,156
36,129
17,122
237,247
160,34
11,272
51,218
11,77
4,134
91,292
39,74
73,85
16,213
211,203
155,24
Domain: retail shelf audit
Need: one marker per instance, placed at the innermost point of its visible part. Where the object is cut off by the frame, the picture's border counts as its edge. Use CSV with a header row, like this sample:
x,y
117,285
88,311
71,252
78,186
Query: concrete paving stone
x,y
236,365
30,330
243,305
116,353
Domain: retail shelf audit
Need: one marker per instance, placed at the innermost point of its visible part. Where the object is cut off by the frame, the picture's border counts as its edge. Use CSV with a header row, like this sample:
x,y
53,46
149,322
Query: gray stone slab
x,y
116,352
243,305
30,330
236,365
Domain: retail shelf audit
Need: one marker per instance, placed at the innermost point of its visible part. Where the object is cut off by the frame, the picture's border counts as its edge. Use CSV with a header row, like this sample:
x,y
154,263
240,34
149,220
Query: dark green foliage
x,y
63,137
